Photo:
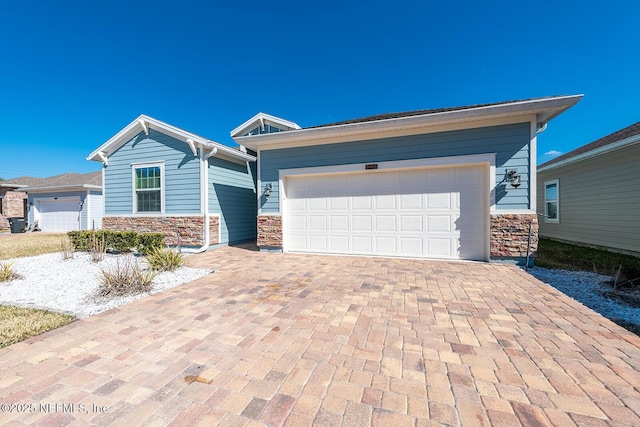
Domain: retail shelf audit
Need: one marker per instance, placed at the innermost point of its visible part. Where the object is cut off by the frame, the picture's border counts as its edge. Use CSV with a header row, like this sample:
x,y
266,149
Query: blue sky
x,y
72,74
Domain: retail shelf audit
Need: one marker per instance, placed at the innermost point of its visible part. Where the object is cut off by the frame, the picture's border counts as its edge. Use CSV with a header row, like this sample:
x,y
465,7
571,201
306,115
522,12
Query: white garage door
x,y
59,215
420,213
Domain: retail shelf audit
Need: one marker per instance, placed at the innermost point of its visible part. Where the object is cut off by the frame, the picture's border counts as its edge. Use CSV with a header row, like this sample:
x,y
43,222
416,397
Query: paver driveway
x,y
316,340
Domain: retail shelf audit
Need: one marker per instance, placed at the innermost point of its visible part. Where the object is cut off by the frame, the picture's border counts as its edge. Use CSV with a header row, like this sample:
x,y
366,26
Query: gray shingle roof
x,y
64,180
627,132
421,112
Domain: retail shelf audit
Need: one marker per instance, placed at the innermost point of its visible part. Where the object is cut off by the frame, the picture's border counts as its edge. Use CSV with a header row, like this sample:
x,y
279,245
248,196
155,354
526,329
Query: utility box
x,y
17,225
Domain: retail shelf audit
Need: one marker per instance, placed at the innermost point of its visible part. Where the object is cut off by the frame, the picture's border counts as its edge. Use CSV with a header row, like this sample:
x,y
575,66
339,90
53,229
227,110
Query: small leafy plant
x,y
165,259
125,278
67,248
7,272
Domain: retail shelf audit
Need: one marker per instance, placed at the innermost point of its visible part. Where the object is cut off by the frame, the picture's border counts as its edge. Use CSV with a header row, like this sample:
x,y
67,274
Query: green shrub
x,y
165,259
80,239
7,272
148,242
121,241
125,278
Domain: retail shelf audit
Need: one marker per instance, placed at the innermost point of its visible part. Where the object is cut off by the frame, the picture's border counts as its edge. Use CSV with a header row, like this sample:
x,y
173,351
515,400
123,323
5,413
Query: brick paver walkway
x,y
273,339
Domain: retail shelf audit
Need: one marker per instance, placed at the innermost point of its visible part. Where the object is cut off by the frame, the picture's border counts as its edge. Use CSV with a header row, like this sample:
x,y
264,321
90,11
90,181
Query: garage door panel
x,y
438,213
440,224
318,222
385,245
411,201
339,222
339,204
385,223
362,223
412,223
362,244
439,201
440,247
318,243
361,203
385,202
411,246
298,223
339,244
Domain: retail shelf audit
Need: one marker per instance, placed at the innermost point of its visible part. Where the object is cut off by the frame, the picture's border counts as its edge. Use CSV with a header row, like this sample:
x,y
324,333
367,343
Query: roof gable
x,y
599,145
144,123
261,121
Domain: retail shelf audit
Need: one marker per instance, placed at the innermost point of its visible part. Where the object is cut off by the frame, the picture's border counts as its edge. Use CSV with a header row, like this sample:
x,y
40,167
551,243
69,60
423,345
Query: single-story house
x,y
13,204
160,178
71,201
591,195
452,183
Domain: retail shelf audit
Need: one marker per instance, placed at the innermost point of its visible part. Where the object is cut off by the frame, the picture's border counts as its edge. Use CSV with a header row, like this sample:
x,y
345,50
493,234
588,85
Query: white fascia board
x,y
61,188
136,126
261,118
544,109
627,142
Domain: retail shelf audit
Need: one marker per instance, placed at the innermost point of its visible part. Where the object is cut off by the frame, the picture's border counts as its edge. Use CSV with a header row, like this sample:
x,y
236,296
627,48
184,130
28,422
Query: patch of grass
x,y
28,244
165,259
553,254
125,278
17,324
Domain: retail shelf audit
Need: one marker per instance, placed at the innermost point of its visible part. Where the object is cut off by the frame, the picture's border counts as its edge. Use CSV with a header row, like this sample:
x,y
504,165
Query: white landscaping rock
x,y
68,285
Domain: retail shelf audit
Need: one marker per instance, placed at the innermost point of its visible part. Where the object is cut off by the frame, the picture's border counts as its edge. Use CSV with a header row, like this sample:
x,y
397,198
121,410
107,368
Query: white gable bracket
x,y
144,126
192,144
104,159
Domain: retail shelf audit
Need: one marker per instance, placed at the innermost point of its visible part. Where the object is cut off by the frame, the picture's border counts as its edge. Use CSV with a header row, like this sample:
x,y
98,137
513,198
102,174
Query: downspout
x,y
204,195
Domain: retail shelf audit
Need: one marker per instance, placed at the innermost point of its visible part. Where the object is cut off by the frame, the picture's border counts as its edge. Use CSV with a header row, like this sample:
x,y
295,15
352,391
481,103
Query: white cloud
x,y
553,153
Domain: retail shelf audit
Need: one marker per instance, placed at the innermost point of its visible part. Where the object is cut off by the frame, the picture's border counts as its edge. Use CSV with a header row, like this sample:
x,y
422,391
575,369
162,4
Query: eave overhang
x,y
627,142
61,188
542,110
144,123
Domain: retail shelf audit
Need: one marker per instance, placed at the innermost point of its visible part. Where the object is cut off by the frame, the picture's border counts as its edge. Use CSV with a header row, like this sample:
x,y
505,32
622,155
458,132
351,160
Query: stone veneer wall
x,y
510,232
12,206
270,231
183,230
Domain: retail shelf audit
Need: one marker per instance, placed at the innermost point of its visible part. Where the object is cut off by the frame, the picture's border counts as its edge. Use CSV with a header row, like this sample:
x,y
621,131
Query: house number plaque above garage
x,y
371,166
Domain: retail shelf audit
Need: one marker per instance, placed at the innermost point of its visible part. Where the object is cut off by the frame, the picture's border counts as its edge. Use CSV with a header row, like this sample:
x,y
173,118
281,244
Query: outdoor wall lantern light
x,y
267,190
81,204
514,178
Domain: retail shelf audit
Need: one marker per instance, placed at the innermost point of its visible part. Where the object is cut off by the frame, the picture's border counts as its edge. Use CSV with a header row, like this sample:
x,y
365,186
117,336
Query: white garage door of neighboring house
x,y
59,215
419,213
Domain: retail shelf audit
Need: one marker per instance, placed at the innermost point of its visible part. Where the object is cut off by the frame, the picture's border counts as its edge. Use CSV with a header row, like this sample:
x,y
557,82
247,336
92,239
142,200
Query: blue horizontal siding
x,y
181,174
509,142
232,195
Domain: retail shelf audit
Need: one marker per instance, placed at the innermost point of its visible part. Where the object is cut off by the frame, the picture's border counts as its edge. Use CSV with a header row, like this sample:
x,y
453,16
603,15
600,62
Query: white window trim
x,y
134,204
555,220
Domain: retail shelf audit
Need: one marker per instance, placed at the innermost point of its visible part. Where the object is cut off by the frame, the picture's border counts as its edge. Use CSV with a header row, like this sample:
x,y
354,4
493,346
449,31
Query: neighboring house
x,y
71,201
66,202
159,178
454,183
13,204
591,195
